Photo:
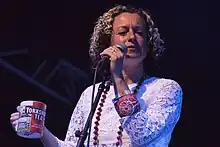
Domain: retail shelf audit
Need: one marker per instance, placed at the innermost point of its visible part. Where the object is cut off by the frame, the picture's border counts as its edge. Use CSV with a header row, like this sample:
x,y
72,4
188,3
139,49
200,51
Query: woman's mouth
x,y
131,46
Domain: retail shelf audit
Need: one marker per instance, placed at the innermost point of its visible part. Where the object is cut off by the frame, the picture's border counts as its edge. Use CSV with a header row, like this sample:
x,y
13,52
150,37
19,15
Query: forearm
x,y
143,127
120,85
48,139
145,134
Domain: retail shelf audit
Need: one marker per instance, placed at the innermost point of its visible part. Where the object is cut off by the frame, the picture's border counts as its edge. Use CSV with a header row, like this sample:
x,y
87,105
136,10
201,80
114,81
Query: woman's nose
x,y
131,36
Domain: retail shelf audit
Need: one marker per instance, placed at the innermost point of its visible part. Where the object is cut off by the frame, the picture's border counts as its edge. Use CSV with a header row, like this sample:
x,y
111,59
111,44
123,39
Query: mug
x,y
31,119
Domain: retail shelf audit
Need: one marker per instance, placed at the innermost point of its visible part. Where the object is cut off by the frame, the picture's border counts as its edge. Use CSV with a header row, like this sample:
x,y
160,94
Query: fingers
x,y
113,52
18,108
117,51
108,52
14,123
14,119
14,116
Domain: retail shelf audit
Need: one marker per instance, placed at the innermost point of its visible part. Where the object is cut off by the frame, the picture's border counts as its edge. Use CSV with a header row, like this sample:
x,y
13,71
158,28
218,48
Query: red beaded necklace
x,y
98,114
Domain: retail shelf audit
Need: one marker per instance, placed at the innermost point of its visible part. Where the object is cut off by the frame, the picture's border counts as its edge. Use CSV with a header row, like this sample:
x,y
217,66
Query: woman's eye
x,y
122,33
140,33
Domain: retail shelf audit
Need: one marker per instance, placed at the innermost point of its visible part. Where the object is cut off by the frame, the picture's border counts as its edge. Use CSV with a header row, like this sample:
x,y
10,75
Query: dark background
x,y
53,30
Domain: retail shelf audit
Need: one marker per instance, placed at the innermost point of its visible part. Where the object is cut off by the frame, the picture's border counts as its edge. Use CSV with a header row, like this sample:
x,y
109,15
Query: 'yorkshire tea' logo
x,y
38,114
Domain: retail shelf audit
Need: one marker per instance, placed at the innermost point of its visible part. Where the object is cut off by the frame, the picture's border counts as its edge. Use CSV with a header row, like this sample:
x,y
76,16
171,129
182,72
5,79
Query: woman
x,y
138,110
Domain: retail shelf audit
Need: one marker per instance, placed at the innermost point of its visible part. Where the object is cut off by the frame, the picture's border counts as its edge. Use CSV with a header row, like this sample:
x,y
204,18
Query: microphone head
x,y
122,47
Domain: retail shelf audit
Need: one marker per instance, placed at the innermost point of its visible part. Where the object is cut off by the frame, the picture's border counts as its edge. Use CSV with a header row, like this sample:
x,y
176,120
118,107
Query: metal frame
x,y
32,79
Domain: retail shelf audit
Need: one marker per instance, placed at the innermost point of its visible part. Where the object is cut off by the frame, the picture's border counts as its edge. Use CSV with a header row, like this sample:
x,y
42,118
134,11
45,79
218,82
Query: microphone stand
x,y
82,135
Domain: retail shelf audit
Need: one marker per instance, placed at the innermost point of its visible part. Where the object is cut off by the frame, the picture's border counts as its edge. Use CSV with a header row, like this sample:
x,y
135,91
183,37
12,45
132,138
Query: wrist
x,y
121,86
48,139
117,77
45,134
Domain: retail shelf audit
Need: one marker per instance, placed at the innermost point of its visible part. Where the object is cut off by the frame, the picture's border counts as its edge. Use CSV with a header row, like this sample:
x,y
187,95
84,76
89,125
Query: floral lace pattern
x,y
160,100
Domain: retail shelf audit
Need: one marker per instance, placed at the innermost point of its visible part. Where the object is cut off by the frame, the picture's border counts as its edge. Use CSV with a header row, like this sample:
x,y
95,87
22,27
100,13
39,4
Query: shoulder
x,y
89,89
87,92
162,82
166,86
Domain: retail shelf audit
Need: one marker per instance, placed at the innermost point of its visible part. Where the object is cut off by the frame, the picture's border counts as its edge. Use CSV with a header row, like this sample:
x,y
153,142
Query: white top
x,y
161,101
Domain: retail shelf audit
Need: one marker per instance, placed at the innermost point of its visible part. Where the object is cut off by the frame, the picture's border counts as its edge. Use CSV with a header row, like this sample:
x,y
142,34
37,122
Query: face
x,y
130,29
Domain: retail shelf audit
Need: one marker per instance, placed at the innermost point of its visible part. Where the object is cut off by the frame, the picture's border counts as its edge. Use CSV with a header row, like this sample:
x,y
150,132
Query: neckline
x,y
147,80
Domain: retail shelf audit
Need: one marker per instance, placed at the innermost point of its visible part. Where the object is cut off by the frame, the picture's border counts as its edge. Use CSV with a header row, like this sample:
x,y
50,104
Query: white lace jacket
x,y
161,101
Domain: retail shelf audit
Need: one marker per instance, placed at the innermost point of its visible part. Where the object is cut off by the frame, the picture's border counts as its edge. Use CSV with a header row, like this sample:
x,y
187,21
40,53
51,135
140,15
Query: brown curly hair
x,y
101,37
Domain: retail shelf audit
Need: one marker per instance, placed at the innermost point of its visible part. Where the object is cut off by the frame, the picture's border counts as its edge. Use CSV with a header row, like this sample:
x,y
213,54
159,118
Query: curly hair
x,y
101,37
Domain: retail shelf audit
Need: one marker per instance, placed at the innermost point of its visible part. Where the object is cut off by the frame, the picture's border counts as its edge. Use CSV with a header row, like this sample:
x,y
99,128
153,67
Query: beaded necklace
x,y
98,114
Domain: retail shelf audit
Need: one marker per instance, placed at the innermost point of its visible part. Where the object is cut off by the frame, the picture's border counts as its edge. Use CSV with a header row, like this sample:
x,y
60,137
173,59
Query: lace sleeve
x,y
76,123
160,117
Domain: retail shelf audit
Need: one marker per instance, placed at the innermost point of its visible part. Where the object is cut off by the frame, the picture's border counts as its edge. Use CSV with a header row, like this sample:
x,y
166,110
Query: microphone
x,y
104,63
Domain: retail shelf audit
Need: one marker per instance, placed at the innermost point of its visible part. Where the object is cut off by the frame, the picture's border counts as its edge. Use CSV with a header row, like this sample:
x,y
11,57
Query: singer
x,y
139,109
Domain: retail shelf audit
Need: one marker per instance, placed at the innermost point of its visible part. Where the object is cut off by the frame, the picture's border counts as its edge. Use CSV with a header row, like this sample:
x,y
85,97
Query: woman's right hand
x,y
14,119
116,58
